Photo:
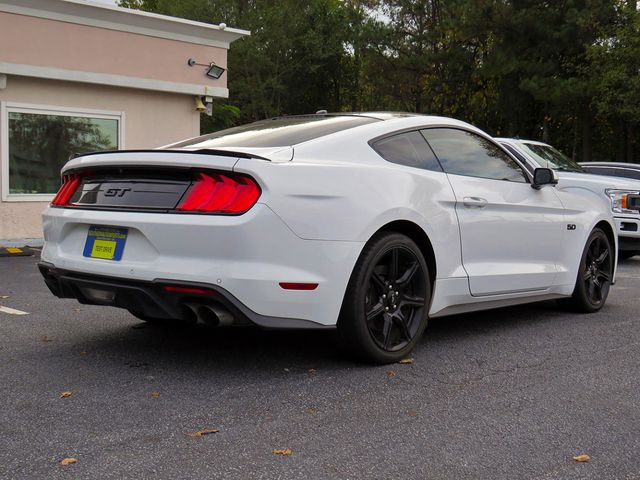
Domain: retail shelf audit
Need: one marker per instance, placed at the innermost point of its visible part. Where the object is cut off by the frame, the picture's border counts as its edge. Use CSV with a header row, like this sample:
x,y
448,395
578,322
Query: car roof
x,y
376,115
293,130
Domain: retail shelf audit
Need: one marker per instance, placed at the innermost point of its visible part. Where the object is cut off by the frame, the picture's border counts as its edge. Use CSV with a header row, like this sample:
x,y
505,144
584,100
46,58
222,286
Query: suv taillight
x,y
69,186
221,193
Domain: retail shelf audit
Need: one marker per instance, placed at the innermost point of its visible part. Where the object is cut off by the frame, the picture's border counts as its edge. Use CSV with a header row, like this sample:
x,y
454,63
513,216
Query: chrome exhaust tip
x,y
211,314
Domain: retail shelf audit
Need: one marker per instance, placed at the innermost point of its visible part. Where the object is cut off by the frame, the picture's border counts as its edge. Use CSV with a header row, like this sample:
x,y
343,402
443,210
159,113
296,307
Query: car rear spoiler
x,y
203,151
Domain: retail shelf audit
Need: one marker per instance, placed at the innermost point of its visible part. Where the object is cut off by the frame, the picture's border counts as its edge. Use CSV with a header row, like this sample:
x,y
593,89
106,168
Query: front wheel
x,y
384,312
594,274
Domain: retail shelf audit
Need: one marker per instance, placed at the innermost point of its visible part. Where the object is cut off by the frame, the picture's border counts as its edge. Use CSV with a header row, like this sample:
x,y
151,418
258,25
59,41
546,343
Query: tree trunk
x,y
630,150
620,132
587,145
574,150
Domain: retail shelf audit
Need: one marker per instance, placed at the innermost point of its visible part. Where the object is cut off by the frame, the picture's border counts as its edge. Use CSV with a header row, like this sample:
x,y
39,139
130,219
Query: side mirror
x,y
544,176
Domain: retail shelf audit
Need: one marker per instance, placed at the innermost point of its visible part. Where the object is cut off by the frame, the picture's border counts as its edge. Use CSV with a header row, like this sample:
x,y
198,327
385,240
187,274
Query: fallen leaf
x,y
412,413
391,374
83,352
45,339
582,458
4,296
312,371
286,369
68,461
311,410
406,361
202,433
66,394
284,451
155,394
12,311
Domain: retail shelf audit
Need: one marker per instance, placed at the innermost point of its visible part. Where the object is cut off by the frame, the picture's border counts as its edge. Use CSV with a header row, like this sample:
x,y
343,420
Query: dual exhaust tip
x,y
212,315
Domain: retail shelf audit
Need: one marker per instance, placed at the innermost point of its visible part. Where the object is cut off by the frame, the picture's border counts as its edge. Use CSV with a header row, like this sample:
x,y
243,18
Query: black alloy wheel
x,y
384,312
594,275
597,270
395,298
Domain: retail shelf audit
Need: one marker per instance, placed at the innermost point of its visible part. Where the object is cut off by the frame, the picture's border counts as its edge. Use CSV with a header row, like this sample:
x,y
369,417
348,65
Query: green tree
x,y
616,58
564,71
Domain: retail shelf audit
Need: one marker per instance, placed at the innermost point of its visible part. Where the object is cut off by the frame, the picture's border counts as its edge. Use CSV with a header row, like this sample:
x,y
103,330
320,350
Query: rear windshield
x,y
612,171
277,132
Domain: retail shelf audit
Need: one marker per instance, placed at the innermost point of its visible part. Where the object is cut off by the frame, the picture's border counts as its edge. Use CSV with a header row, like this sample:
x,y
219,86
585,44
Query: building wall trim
x,y
94,14
112,80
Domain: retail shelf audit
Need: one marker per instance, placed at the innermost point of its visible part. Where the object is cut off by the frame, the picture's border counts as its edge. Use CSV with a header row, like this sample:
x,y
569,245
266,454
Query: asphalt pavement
x,y
508,394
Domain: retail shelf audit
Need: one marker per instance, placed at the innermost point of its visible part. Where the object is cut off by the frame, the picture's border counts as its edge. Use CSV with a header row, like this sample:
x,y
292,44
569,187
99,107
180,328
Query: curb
x,y
16,252
21,242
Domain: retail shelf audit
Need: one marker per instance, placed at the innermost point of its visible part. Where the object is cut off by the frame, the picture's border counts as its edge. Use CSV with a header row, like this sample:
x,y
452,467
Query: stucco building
x,y
79,76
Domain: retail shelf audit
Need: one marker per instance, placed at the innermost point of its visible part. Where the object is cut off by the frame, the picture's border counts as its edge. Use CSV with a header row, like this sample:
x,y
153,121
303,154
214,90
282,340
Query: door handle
x,y
474,202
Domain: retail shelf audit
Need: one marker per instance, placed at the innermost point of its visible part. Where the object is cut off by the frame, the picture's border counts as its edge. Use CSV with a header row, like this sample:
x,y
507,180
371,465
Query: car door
x,y
510,232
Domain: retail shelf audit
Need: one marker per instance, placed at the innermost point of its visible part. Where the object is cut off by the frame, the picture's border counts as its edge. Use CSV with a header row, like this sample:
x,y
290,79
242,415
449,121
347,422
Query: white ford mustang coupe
x,y
371,223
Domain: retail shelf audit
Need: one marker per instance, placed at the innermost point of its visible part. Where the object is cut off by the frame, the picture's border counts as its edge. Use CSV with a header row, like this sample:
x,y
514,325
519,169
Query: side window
x,y
408,149
465,153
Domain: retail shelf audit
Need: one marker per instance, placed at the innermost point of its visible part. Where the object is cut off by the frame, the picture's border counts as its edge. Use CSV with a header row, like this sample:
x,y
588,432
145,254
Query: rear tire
x,y
385,308
594,275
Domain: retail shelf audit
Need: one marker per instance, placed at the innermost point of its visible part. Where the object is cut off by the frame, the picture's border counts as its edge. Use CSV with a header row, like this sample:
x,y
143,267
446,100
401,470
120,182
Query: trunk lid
x,y
157,180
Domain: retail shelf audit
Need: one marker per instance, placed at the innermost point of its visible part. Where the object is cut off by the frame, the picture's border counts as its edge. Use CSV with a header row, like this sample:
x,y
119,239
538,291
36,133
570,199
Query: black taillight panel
x,y
154,189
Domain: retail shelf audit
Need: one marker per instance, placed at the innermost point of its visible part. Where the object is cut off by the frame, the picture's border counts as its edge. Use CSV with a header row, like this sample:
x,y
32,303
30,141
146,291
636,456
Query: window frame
x,y
528,175
28,108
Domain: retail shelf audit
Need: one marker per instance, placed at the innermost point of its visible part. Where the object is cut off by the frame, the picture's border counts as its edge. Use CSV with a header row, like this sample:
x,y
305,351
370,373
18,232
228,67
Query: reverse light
x,y
221,193
70,184
624,201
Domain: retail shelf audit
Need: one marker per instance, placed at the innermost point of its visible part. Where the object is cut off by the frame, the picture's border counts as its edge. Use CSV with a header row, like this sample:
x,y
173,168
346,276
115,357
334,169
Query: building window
x,y
39,141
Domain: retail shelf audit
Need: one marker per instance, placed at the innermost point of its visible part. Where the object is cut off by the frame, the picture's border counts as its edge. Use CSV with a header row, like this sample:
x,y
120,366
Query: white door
x,y
510,232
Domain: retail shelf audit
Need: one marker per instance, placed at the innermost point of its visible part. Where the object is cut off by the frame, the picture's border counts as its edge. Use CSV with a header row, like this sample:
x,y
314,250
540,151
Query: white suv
x,y
622,194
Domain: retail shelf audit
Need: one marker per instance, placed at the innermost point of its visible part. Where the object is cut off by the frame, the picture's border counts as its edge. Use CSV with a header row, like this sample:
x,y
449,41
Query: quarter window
x,y
408,149
465,153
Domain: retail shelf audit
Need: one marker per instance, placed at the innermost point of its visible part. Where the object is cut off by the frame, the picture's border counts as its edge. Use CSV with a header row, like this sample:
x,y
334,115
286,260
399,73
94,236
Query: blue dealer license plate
x,y
105,242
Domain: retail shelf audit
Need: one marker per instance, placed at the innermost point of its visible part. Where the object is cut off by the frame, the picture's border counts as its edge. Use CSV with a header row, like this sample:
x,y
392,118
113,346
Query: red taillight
x,y
221,193
69,186
298,286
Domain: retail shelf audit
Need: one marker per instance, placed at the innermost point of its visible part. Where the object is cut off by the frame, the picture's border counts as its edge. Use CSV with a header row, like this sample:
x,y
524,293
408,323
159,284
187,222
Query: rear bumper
x,y
245,256
152,300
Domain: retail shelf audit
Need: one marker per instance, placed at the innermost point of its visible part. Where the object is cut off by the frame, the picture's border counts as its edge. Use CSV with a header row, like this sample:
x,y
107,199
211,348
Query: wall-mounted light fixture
x,y
214,71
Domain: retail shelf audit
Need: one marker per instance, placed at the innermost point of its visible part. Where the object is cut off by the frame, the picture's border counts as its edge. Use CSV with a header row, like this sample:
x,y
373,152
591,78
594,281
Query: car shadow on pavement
x,y
185,347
